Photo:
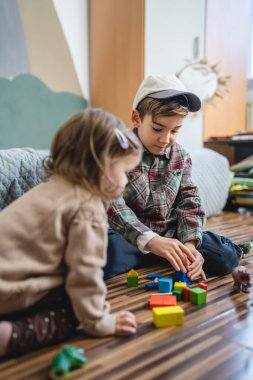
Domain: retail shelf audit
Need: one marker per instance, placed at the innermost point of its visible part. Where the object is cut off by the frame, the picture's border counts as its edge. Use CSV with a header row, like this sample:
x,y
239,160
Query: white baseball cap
x,y
165,87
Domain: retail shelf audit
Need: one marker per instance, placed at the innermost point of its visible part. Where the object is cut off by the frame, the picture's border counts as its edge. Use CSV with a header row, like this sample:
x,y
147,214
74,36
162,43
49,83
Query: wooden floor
x,y
215,342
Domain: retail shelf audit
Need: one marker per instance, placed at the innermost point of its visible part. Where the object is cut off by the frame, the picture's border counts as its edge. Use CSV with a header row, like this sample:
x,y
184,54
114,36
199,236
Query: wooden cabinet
x,y
234,150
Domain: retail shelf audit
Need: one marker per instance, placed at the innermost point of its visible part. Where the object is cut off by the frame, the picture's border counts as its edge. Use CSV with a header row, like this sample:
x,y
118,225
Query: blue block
x,y
182,277
165,285
151,276
152,285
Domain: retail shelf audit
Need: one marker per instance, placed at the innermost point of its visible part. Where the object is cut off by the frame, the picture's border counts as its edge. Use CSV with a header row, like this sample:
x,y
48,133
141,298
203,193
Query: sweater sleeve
x,y
85,257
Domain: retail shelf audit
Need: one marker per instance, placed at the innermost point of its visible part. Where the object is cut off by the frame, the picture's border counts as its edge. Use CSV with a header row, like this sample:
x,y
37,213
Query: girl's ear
x,y
136,120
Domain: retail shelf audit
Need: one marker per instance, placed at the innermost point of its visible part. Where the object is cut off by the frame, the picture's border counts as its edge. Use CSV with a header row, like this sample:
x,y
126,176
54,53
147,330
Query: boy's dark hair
x,y
163,107
83,146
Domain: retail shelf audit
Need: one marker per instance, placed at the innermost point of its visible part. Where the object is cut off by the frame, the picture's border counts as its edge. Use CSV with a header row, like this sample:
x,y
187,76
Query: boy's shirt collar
x,y
166,153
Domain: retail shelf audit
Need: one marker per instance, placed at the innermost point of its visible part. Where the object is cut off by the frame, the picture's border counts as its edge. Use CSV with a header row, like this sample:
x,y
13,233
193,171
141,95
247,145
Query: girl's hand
x,y
195,268
125,323
172,250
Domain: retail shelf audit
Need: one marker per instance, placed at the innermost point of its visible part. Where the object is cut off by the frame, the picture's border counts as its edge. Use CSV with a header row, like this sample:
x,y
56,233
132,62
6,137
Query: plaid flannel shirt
x,y
160,196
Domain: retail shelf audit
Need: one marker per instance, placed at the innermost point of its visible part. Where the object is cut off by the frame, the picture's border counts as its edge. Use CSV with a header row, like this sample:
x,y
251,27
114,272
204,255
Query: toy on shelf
x,y
132,278
168,316
241,277
67,359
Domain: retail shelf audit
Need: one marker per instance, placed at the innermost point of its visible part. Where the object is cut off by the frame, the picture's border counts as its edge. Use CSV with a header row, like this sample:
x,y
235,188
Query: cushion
x,y
211,173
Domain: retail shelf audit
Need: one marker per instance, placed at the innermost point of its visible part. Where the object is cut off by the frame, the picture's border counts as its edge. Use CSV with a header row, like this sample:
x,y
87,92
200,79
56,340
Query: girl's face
x,y
114,183
157,135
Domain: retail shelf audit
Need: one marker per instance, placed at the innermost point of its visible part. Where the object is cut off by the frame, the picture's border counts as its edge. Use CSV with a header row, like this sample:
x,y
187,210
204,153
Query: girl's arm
x,y
85,257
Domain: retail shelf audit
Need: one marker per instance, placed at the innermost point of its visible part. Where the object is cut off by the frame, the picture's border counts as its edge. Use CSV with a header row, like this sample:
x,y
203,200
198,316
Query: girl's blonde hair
x,y
83,146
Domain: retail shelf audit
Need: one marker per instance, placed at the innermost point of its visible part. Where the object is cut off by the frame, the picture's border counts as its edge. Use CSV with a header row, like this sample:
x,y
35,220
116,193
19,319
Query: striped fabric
x,y
161,197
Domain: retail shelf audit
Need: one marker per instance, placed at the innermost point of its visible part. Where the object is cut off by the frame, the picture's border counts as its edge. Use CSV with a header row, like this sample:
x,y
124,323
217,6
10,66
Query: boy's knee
x,y
228,261
221,264
221,255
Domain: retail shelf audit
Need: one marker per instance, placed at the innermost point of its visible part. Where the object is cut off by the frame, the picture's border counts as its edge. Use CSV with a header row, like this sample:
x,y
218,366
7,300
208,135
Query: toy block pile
x,y
164,306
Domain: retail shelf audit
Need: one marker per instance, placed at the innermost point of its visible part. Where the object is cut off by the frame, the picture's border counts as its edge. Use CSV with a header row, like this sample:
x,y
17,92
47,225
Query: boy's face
x,y
159,134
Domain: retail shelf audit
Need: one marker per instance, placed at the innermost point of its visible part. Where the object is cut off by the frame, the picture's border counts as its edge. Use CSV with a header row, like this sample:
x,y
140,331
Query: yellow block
x,y
168,316
179,285
132,273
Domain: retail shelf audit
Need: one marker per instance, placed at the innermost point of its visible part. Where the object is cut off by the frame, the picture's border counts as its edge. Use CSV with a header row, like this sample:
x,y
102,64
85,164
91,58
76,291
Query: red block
x,y
162,300
202,285
186,293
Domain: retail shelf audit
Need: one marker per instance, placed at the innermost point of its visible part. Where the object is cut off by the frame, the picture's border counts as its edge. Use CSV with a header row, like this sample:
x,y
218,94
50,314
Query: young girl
x,y
54,238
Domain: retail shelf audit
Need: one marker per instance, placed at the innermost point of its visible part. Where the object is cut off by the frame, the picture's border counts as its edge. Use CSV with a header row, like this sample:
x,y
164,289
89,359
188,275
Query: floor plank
x,y
215,341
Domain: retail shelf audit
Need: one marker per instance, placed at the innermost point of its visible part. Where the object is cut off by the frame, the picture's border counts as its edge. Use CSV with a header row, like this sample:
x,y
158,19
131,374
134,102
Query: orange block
x,y
157,300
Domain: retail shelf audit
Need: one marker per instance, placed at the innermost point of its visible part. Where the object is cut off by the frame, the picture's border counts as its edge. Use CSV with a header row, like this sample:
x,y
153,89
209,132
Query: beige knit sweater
x,y
56,234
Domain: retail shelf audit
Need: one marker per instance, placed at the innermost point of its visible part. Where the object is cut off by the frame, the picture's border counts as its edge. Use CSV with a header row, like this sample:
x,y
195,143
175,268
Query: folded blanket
x,y
20,170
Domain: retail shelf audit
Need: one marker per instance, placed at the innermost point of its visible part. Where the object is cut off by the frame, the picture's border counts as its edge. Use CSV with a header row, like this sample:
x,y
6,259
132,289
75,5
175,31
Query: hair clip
x,y
123,142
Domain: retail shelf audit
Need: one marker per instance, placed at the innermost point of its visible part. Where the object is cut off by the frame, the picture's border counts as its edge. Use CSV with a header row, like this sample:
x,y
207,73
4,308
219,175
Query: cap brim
x,y
194,102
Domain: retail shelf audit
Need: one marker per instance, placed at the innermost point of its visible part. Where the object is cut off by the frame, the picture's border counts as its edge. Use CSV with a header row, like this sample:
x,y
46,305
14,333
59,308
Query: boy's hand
x,y
195,268
125,323
172,250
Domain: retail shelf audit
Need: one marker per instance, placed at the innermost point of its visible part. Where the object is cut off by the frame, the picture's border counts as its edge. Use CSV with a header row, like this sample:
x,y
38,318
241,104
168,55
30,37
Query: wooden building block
x,y
152,285
168,316
157,300
202,285
179,285
198,296
152,276
182,277
132,281
132,278
178,293
165,285
186,293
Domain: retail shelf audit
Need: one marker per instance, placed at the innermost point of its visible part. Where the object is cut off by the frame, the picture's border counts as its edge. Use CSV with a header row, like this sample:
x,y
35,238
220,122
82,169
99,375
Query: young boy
x,y
161,212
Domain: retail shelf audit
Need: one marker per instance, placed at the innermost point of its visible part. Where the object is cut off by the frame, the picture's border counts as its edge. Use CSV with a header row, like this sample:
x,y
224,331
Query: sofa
x,y
21,169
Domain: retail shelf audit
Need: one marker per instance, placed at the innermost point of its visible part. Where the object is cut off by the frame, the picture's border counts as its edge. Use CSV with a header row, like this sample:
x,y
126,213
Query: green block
x,y
198,296
132,281
178,293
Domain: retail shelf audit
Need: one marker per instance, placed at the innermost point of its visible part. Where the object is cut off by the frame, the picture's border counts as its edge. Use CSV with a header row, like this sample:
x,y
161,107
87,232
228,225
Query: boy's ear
x,y
136,120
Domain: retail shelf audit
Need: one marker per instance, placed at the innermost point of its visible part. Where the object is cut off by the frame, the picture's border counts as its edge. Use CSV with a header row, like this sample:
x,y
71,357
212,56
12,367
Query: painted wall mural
x,y
39,86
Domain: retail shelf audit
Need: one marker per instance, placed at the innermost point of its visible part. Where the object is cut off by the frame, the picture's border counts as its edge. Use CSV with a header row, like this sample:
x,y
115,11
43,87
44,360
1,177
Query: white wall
x,y
170,29
73,16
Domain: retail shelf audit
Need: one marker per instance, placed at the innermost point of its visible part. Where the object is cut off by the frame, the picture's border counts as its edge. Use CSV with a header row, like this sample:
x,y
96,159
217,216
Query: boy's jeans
x,y
220,255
